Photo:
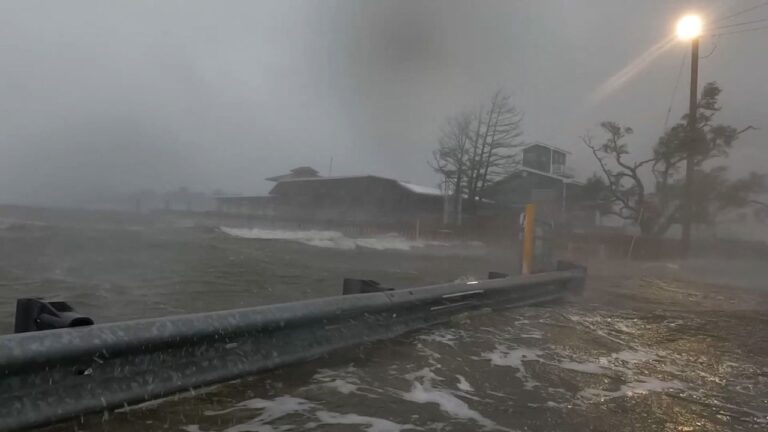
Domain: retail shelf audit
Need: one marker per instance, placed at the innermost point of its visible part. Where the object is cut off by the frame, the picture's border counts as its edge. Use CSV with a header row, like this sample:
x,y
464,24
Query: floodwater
x,y
649,347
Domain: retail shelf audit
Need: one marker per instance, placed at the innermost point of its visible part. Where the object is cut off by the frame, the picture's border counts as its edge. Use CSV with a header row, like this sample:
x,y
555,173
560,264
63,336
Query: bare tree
x,y
452,157
502,132
476,149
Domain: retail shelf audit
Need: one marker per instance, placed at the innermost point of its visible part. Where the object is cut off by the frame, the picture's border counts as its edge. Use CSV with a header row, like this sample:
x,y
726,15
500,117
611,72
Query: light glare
x,y
689,27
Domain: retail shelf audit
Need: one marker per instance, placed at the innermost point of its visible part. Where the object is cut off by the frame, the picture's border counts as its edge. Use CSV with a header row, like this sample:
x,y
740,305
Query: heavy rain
x,y
378,216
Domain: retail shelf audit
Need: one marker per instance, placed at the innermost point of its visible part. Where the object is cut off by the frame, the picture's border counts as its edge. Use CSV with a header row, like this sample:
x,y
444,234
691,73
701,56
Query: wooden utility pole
x,y
691,150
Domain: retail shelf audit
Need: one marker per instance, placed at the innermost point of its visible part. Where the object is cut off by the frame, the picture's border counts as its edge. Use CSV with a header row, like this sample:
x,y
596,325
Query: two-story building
x,y
541,176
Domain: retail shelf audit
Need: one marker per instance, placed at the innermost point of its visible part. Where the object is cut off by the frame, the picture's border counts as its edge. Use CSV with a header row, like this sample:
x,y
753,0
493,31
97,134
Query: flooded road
x,y
647,348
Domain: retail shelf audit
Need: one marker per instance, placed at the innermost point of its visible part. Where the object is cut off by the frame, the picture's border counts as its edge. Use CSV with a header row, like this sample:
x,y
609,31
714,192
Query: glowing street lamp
x,y
690,28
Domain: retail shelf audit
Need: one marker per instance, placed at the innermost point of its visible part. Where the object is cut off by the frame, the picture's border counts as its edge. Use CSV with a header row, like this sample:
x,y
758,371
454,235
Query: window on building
x,y
537,157
558,162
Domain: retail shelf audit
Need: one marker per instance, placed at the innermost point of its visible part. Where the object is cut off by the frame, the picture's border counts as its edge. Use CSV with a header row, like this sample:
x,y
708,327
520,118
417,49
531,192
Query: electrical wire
x,y
740,31
741,23
741,12
715,38
674,90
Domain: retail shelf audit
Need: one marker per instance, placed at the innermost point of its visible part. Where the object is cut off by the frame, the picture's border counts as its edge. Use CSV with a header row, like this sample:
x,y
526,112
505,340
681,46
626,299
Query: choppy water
x,y
571,367
117,273
644,350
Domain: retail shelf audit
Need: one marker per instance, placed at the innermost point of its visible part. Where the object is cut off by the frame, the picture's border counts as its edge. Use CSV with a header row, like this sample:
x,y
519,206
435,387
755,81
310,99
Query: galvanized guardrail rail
x,y
56,374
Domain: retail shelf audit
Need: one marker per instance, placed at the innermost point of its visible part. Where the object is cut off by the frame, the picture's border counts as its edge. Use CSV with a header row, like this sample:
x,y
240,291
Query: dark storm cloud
x,y
102,96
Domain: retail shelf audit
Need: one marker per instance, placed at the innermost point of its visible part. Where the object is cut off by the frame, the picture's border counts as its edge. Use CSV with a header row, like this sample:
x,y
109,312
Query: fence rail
x,y
53,375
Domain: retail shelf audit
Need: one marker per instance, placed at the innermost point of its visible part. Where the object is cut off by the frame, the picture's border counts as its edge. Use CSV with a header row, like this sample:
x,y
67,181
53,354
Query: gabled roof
x,y
537,143
522,171
410,187
296,173
305,170
424,190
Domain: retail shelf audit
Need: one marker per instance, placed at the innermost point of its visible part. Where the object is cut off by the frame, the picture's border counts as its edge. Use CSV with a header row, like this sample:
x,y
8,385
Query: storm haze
x,y
102,97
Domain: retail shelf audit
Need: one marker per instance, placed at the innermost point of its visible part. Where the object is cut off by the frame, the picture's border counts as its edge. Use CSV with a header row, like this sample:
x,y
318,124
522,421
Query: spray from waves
x,y
319,238
332,239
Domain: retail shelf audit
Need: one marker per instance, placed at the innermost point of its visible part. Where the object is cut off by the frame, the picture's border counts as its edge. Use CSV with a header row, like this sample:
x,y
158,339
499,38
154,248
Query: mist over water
x,y
136,138
100,99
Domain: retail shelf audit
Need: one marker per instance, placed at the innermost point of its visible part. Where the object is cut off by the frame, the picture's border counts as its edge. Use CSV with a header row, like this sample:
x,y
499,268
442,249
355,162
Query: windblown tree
x,y
709,142
475,149
655,212
596,194
713,192
626,193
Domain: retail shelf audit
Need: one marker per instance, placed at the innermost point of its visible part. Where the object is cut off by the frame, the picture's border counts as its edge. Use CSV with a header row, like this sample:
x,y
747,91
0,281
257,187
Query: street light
x,y
690,28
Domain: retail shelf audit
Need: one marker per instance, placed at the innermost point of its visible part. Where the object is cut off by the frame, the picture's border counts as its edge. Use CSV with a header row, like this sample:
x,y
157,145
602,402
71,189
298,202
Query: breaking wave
x,y
333,239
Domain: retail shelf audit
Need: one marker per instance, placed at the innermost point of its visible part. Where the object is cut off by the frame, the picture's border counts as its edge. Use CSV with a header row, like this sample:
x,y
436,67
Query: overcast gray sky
x,y
102,96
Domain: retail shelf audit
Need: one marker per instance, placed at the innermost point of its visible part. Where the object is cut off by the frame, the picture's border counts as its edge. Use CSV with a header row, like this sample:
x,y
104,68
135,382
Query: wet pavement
x,y
648,347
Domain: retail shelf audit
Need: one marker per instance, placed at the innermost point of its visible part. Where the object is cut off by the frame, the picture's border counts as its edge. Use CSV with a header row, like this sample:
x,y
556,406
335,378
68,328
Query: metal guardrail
x,y
56,374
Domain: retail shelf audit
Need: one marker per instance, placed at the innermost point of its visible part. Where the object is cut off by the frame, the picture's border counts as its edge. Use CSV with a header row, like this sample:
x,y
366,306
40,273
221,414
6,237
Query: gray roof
x,y
413,188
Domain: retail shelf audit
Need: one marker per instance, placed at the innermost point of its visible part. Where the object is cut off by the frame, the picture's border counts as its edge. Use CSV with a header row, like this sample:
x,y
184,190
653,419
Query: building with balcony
x,y
541,176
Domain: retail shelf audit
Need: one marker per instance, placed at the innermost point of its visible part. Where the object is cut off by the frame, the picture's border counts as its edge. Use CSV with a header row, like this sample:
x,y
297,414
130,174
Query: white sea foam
x,y
282,406
344,380
464,384
634,356
585,367
328,239
341,386
448,403
642,385
425,373
370,424
270,409
333,239
514,357
446,336
422,391
390,241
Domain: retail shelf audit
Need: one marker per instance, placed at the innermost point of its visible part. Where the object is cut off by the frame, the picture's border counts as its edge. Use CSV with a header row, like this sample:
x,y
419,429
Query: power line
x,y
674,90
741,24
741,12
740,31
714,47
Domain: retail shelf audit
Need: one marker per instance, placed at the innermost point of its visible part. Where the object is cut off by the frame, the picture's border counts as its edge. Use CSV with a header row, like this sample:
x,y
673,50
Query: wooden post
x,y
529,237
418,223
